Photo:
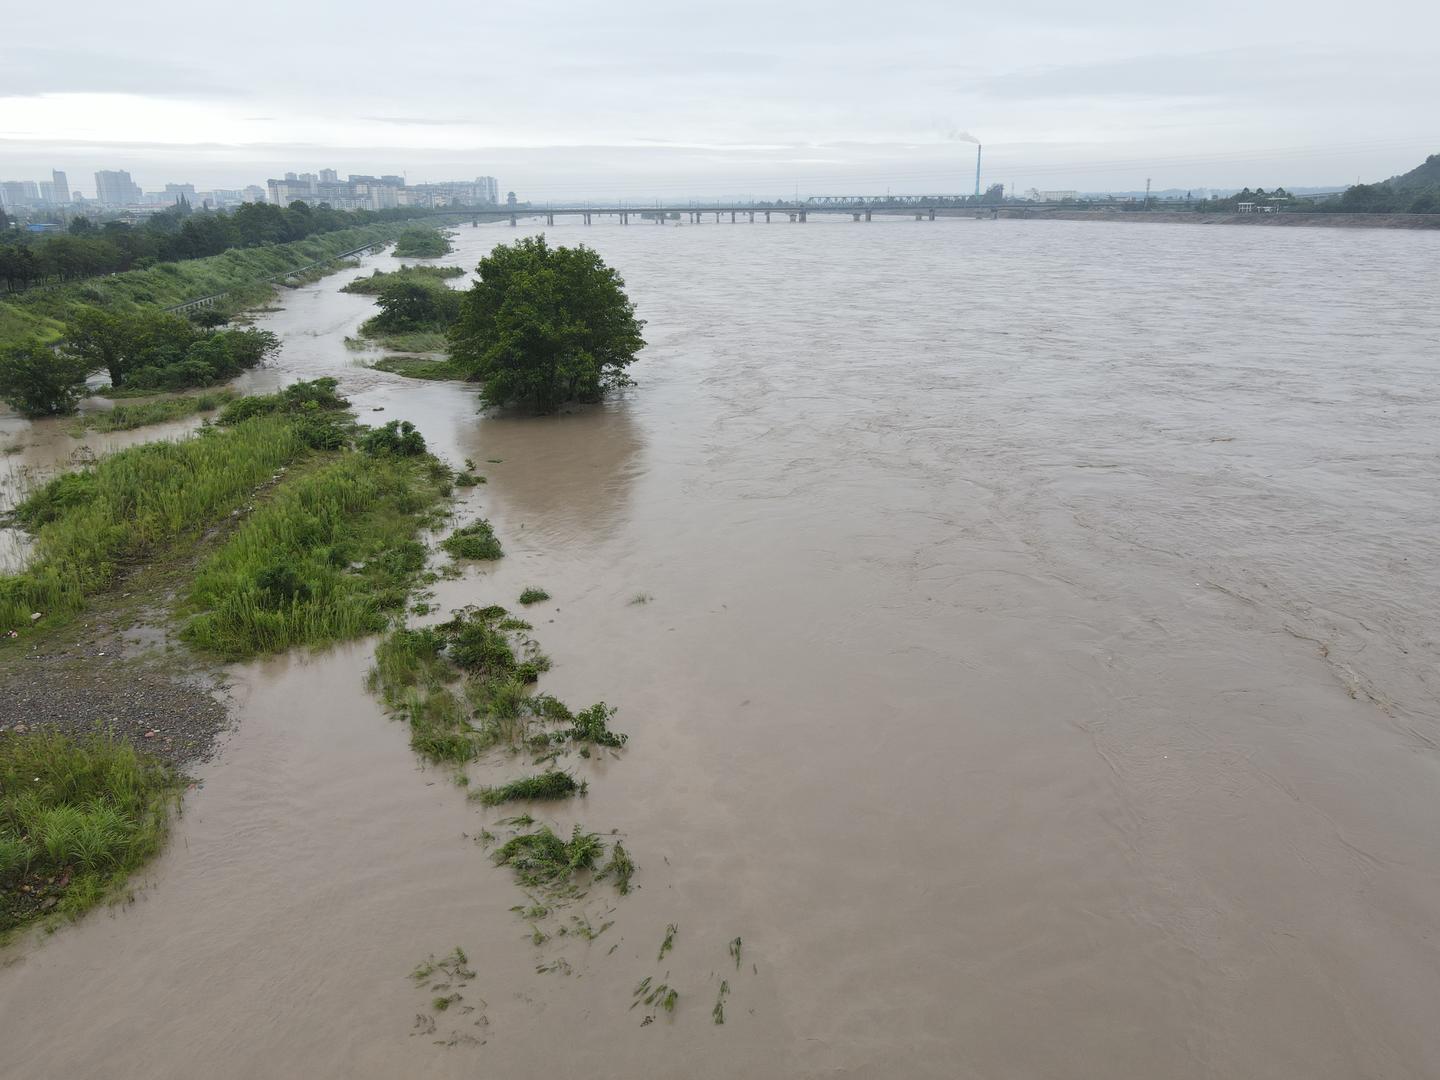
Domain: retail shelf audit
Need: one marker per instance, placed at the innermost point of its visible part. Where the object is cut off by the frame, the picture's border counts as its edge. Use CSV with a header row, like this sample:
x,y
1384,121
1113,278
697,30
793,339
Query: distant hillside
x,y
1422,176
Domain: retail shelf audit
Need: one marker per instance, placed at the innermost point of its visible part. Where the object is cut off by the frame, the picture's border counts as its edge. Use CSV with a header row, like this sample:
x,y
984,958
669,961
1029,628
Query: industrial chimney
x,y
978,148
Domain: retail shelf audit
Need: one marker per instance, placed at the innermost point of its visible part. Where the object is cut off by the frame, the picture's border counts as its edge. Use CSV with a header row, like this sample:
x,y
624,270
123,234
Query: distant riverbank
x,y
1334,221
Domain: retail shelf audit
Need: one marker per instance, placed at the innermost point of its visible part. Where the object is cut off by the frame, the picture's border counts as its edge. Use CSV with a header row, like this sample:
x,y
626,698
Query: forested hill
x,y
1426,175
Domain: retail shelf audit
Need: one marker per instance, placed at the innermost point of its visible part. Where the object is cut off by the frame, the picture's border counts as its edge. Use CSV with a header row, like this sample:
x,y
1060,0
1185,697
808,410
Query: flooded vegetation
x,y
957,680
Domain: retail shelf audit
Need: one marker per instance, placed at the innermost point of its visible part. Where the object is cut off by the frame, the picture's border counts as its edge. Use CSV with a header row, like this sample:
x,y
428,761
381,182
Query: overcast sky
x,y
645,98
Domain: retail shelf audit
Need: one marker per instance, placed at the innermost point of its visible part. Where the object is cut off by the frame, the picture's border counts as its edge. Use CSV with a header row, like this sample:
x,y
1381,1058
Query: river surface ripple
x,y
1040,675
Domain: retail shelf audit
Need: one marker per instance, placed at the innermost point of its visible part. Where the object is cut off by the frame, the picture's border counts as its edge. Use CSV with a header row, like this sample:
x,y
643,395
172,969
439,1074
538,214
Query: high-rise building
x,y
13,193
62,186
488,189
175,192
48,195
329,176
115,188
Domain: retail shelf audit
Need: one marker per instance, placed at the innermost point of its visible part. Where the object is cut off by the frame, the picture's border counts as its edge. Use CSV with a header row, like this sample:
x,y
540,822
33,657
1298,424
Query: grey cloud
x,y
31,71
1234,73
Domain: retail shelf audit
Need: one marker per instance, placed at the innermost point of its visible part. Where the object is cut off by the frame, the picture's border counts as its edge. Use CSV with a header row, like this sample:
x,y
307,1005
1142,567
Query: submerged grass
x,y
77,816
546,785
542,860
129,417
463,686
532,595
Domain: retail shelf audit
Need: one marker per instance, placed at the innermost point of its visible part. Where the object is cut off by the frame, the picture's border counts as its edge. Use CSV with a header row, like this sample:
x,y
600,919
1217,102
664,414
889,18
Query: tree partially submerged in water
x,y
543,326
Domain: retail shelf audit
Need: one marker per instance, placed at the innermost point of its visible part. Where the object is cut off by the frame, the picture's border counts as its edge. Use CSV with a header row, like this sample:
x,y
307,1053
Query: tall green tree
x,y
543,326
36,380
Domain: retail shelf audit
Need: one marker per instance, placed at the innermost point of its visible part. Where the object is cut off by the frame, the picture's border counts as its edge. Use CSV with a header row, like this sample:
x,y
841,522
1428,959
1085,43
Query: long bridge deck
x,y
859,211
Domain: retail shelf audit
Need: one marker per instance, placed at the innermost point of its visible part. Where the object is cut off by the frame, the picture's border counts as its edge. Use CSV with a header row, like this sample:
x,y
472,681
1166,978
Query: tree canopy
x,y
39,382
543,326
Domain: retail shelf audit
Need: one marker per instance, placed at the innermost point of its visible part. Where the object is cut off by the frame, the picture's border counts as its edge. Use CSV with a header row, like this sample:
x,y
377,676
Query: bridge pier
x,y
919,217
587,219
867,215
717,217
855,216
767,217
475,222
802,215
732,217
752,217
932,213
549,219
512,221
792,214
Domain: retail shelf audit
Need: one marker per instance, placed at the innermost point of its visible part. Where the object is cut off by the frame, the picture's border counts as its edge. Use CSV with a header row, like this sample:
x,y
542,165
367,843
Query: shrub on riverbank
x,y
76,817
36,381
543,326
416,314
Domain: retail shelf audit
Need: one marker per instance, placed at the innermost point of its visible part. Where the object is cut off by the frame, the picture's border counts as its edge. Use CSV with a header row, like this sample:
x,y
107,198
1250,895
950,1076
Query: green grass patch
x,y
422,243
129,417
371,286
77,816
419,367
134,505
332,556
474,541
532,595
411,341
543,786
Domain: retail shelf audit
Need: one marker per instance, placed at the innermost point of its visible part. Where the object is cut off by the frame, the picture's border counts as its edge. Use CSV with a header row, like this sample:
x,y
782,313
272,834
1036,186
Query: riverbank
x,y
246,276
1176,217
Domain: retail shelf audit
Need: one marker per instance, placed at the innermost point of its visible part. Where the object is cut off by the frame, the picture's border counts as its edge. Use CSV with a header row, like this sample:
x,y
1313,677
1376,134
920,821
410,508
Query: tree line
x,y
88,250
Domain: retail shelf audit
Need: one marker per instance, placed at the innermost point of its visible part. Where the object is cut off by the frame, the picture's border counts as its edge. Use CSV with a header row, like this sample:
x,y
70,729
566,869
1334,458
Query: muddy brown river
x,y
1039,675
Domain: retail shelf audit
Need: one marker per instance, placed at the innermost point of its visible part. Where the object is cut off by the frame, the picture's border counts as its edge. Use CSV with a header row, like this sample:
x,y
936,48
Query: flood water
x,y
1039,675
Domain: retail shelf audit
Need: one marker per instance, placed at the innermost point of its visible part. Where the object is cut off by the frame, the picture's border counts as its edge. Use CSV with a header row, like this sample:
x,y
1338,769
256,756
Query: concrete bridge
x,y
659,215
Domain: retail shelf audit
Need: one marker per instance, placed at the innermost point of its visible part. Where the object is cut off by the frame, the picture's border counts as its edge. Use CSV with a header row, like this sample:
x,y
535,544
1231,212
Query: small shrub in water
x,y
532,595
592,725
473,541
547,785
620,867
